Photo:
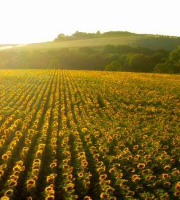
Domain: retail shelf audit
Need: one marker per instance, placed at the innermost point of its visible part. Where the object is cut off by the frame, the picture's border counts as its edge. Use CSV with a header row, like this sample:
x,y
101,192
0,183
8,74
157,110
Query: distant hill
x,y
118,51
98,40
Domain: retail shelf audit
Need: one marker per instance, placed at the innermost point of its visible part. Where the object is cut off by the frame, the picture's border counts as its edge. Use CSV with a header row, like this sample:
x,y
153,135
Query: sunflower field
x,y
86,135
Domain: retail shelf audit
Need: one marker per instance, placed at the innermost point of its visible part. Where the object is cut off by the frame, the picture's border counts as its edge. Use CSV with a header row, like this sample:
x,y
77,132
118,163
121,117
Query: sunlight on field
x,y
89,135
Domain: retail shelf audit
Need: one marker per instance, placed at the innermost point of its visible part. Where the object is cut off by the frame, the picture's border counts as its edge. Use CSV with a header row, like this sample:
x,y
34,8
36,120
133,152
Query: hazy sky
x,y
26,21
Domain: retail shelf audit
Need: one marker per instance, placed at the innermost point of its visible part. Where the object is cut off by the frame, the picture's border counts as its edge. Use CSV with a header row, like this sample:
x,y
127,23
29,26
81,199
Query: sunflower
x,y
80,175
104,196
5,198
87,198
103,176
84,130
87,184
165,176
135,146
12,183
50,197
50,178
109,189
14,177
165,147
16,173
135,178
39,153
1,172
167,167
17,168
112,198
49,188
177,187
84,163
141,166
111,170
8,193
30,183
177,194
18,134
167,184
20,163
5,157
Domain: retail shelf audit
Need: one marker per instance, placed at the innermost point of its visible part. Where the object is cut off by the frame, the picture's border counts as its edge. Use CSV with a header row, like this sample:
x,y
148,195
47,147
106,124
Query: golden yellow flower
x,y
109,189
176,194
111,170
48,189
167,167
135,178
135,146
103,176
12,183
16,173
87,198
17,168
50,197
5,198
177,187
30,183
167,184
141,165
69,187
104,196
84,130
165,176
80,175
5,157
8,193
1,172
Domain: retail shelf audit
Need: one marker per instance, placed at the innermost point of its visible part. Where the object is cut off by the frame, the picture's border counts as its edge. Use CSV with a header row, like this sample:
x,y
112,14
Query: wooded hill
x,y
119,51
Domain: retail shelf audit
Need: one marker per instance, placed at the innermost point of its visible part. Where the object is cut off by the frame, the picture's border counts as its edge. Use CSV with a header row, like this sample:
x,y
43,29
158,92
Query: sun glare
x,y
39,21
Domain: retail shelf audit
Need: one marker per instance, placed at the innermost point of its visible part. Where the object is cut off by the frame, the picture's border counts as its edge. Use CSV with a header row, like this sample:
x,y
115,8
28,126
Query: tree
x,y
114,66
172,65
162,68
61,37
140,63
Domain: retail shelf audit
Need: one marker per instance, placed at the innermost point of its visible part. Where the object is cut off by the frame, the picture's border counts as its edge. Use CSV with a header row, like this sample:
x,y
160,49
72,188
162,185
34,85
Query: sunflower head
x,y
8,193
177,186
87,198
141,166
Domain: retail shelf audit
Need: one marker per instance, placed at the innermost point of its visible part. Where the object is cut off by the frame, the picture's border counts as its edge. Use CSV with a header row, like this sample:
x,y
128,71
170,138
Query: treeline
x,y
142,60
172,64
112,58
83,35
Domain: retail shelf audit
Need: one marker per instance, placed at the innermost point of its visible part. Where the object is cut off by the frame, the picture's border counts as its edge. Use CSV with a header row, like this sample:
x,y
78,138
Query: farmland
x,y
147,41
68,134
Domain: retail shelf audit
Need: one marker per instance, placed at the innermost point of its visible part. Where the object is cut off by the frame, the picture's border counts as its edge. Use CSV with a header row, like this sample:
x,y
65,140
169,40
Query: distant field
x,y
70,135
3,45
144,41
6,46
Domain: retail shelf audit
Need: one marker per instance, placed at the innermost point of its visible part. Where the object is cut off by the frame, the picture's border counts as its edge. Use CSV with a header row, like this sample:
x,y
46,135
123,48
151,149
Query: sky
x,y
31,21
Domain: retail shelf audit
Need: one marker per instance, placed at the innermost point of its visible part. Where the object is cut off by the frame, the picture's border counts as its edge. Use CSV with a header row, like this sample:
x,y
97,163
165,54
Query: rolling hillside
x,y
117,51
147,41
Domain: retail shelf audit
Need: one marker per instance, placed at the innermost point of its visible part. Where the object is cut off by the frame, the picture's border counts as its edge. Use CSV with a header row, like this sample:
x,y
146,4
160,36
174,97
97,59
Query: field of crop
x,y
89,135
